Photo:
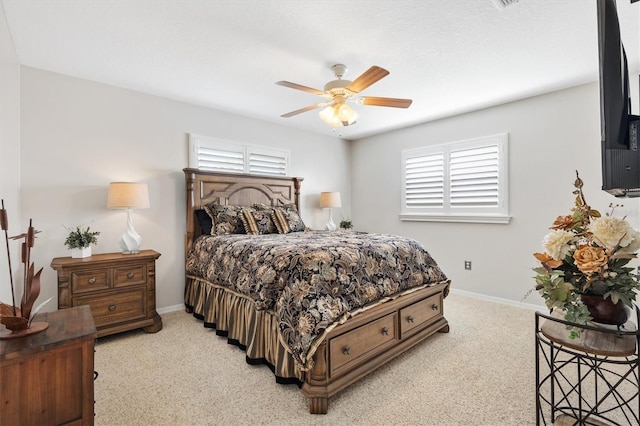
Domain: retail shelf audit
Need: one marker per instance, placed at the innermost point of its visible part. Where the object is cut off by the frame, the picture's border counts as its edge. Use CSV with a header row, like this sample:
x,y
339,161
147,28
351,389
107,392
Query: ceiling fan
x,y
338,92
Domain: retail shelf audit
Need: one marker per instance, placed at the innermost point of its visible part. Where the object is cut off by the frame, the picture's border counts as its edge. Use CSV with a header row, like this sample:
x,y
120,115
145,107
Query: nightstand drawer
x,y
130,275
115,307
89,280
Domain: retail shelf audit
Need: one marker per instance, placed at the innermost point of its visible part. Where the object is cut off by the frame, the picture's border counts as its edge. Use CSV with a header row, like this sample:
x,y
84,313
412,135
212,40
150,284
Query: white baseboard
x,y
168,309
500,300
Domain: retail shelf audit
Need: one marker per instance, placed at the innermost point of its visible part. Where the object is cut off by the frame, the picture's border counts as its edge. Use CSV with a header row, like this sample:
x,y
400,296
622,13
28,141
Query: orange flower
x,y
590,259
547,261
564,222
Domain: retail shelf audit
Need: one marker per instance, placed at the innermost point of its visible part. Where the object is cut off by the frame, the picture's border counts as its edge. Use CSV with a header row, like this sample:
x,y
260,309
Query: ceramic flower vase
x,y
604,311
81,252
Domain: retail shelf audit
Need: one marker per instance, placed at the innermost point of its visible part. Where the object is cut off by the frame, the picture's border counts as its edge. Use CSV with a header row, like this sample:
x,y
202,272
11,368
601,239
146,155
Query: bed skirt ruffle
x,y
234,315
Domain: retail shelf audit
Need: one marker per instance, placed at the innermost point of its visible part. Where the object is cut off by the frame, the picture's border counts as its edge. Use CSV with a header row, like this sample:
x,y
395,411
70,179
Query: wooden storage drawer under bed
x,y
362,343
419,314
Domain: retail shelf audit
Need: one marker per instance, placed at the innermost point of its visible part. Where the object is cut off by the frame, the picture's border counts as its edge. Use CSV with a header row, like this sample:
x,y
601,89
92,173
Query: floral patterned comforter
x,y
312,280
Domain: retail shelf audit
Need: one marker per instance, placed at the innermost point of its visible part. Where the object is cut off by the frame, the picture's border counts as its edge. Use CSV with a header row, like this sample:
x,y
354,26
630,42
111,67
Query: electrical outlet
x,y
467,265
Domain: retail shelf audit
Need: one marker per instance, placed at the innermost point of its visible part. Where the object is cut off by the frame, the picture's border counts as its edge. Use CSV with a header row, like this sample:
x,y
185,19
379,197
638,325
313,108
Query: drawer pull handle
x,y
434,307
346,350
112,308
410,318
92,280
130,275
385,330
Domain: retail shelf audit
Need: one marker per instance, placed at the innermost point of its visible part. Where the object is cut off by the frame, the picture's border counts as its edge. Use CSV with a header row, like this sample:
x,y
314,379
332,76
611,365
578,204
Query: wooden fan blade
x,y
386,102
300,87
367,78
305,109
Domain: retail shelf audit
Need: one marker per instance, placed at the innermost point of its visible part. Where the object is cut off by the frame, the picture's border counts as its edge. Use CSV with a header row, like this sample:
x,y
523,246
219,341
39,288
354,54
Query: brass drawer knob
x,y
385,331
112,308
92,280
434,307
130,275
346,350
410,318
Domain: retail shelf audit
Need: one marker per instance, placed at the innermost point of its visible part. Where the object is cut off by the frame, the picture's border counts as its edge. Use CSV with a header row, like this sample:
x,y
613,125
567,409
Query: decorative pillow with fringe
x,y
258,222
226,219
287,221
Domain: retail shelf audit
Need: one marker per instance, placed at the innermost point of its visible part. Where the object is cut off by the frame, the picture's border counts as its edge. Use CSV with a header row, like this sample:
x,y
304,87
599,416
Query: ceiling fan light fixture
x,y
337,115
329,116
346,115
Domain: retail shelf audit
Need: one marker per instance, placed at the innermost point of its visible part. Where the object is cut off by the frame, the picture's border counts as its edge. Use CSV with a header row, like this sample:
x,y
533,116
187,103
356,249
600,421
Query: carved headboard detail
x,y
235,190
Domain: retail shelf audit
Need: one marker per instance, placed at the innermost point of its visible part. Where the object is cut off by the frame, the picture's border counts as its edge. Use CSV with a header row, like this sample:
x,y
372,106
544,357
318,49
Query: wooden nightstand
x,y
119,288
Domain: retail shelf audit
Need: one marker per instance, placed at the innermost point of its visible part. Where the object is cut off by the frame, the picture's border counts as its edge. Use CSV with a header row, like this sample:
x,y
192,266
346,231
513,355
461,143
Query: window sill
x,y
502,220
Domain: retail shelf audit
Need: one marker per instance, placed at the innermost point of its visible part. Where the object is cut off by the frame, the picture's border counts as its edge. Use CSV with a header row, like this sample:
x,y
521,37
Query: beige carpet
x,y
481,373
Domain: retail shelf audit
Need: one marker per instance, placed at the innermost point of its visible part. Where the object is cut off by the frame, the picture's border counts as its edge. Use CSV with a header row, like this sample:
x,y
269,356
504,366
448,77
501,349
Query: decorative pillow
x,y
261,206
205,221
258,222
226,219
287,221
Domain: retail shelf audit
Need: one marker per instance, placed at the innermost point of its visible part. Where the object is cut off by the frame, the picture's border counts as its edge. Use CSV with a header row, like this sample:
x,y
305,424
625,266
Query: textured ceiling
x,y
449,56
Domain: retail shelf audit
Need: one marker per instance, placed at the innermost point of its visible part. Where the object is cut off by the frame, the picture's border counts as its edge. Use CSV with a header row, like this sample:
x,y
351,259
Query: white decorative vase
x,y
81,252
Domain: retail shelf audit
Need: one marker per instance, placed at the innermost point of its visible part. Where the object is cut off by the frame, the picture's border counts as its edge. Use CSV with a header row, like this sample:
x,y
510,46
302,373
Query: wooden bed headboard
x,y
235,190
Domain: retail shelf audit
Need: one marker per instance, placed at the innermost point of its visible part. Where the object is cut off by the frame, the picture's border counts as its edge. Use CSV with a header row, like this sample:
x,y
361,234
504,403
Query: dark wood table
x,y
47,378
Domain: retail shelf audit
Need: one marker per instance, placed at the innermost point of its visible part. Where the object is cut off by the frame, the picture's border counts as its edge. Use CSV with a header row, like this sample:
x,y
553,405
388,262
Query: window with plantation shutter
x,y
457,182
213,154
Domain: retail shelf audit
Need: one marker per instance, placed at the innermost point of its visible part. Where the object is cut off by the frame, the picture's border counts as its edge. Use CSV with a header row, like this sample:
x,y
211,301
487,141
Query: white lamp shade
x,y
330,199
128,195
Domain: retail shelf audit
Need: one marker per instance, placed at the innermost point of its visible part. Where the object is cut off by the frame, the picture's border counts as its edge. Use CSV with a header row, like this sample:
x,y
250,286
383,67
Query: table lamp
x,y
129,196
330,200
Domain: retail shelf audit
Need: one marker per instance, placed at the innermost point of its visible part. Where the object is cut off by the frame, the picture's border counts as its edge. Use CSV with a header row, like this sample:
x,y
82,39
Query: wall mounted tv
x,y
619,128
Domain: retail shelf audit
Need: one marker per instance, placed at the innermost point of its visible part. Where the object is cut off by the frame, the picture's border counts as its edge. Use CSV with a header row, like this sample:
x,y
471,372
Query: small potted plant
x,y
346,224
79,241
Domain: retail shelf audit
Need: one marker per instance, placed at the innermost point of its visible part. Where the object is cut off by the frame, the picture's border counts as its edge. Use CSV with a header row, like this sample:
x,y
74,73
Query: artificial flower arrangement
x,y
587,254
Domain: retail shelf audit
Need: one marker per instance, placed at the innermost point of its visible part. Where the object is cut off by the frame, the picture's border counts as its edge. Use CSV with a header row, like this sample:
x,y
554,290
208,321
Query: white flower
x,y
611,231
557,243
634,245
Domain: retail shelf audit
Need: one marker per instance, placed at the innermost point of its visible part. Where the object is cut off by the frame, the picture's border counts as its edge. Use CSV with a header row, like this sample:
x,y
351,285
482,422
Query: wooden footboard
x,y
371,339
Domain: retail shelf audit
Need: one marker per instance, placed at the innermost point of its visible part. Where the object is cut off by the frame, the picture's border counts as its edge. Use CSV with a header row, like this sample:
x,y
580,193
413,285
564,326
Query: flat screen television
x,y
619,128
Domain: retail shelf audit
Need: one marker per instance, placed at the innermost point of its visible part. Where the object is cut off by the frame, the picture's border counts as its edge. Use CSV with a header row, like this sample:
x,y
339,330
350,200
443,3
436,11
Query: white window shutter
x,y
221,160
268,162
474,177
424,180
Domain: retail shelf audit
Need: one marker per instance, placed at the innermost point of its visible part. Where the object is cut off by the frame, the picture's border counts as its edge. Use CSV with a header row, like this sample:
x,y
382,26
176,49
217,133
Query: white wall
x,y
550,137
9,155
78,135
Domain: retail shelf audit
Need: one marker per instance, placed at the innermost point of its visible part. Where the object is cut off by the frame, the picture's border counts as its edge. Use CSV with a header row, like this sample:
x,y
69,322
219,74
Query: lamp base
x,y
130,244
330,225
130,240
131,252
